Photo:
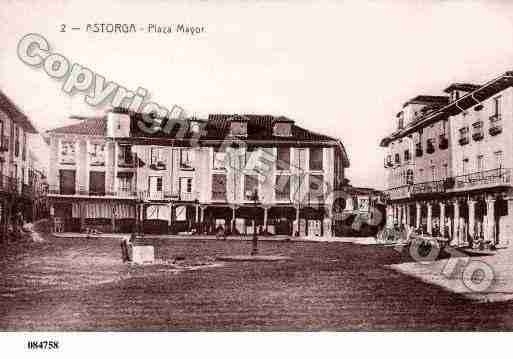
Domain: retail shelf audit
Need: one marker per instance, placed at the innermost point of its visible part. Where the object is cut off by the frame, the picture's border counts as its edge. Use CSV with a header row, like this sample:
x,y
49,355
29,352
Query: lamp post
x,y
253,196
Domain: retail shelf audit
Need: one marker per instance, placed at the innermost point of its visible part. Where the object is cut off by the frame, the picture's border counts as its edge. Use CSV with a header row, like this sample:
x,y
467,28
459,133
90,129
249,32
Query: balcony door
x,y
155,188
97,183
67,181
186,189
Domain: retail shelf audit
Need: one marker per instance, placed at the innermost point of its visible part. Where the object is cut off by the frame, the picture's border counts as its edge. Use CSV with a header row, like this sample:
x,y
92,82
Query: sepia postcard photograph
x,y
300,178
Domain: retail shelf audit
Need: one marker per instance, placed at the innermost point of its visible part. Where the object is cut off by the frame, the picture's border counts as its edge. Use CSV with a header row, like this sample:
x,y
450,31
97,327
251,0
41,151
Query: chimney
x,y
118,123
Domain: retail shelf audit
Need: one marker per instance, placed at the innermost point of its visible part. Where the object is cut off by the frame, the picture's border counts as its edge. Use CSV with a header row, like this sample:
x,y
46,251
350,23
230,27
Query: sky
x,y
340,68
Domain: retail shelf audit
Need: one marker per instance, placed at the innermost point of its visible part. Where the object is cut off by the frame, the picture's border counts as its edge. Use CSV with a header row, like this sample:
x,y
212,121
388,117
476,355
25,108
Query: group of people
x,y
465,236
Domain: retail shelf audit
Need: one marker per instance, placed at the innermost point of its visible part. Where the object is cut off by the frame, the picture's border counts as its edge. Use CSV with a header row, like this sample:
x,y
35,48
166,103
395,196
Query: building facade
x,y
22,182
198,175
449,163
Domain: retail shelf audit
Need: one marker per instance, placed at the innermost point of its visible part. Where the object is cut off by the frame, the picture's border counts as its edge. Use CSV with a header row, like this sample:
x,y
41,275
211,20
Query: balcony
x,y
158,166
463,141
428,187
184,196
443,143
484,179
478,136
495,130
125,192
126,162
398,193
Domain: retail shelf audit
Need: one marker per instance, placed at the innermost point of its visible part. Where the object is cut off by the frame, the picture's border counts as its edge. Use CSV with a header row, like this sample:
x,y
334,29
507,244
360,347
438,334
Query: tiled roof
x,y
91,126
462,86
260,128
15,113
426,99
453,108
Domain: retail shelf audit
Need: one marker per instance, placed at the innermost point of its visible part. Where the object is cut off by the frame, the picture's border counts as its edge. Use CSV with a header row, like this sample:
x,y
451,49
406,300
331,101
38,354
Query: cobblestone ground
x,y
81,284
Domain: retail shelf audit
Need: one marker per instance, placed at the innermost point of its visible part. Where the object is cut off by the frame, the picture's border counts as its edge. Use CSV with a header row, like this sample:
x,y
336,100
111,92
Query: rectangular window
x,y
155,188
24,150
497,102
479,163
465,166
301,158
282,188
156,155
186,160
406,155
219,160
316,156
433,173
97,154
498,159
125,155
67,181
219,187
125,184
12,137
97,183
250,186
464,136
17,143
400,123
67,153
283,159
445,170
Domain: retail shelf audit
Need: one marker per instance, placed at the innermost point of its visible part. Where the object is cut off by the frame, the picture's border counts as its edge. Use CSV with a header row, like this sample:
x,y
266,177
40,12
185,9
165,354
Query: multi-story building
x,y
201,175
18,172
449,163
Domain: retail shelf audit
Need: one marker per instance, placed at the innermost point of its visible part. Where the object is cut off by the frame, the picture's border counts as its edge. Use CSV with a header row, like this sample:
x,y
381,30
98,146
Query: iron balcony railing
x,y
398,192
490,178
407,191
428,187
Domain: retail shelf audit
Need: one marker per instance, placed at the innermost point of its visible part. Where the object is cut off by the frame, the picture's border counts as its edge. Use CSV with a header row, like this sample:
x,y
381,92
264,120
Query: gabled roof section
x,y
461,86
217,127
427,99
95,126
15,113
455,107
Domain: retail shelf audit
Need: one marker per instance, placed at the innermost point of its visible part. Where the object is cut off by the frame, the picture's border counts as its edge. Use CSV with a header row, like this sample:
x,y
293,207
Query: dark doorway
x,y
97,183
67,181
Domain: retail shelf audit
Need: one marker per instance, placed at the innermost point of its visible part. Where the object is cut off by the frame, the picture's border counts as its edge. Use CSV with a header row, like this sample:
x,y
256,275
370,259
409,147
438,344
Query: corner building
x,y
195,177
448,163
